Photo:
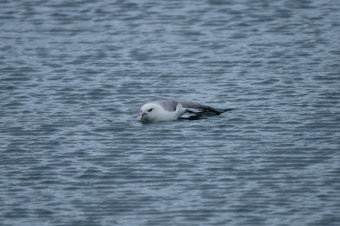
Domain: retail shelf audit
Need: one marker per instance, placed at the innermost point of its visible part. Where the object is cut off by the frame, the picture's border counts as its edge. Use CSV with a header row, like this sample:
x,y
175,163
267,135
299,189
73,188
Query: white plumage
x,y
168,110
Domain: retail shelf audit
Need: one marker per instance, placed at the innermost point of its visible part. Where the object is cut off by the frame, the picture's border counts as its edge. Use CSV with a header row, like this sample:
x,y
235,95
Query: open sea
x,y
73,75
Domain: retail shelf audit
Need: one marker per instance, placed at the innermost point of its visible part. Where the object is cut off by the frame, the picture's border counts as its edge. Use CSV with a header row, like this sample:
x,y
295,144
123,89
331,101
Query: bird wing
x,y
169,105
205,108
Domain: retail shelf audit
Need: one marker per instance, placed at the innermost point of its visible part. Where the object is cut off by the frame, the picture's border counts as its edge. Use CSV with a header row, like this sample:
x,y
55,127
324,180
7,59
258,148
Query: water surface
x,y
74,74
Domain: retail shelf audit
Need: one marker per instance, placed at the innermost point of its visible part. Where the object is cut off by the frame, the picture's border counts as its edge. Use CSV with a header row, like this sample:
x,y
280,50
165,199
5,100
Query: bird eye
x,y
150,110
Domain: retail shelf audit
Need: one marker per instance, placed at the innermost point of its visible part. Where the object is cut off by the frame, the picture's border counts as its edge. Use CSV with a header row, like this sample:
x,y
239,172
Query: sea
x,y
74,74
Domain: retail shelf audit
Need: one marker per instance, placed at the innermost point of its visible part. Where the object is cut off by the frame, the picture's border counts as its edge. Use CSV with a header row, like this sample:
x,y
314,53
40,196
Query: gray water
x,y
73,75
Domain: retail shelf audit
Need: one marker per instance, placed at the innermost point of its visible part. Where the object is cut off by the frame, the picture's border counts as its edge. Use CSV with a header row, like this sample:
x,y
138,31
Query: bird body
x,y
169,110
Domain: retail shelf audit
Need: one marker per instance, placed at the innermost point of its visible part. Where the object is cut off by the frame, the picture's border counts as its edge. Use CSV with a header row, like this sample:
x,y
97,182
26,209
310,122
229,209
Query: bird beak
x,y
142,117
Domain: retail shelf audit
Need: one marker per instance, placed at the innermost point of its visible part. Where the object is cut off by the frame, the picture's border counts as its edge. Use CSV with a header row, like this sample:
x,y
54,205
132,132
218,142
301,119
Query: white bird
x,y
168,110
